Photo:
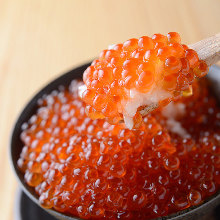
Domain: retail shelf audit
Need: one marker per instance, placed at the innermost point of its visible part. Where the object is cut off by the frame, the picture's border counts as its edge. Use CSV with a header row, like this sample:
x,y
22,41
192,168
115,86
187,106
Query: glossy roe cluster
x,y
94,170
144,65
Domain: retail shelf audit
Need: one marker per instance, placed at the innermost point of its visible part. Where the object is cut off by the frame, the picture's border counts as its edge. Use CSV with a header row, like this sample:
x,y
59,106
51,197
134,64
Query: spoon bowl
x,y
203,211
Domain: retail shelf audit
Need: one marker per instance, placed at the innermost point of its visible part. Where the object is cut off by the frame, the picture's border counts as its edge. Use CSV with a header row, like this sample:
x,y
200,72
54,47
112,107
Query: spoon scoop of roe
x,y
130,79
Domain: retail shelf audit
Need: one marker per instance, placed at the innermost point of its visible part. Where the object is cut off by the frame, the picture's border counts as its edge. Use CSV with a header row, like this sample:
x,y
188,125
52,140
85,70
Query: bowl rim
x,y
76,73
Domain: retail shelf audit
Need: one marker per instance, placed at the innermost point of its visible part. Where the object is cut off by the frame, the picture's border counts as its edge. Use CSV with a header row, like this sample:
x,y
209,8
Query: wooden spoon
x,y
207,50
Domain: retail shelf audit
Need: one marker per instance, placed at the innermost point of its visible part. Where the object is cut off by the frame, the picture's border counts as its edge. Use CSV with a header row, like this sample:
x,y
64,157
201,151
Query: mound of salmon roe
x,y
95,170
159,66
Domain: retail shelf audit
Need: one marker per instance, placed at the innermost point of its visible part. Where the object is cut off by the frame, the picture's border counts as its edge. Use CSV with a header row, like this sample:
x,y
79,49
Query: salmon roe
x,y
94,170
142,65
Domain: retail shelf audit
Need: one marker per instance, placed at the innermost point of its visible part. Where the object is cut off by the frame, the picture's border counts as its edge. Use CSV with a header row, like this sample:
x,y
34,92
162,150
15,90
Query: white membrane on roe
x,y
138,99
176,127
129,122
173,111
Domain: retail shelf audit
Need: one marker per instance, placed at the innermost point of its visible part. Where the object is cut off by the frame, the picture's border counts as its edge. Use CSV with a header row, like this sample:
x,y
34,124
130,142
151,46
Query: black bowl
x,y
203,211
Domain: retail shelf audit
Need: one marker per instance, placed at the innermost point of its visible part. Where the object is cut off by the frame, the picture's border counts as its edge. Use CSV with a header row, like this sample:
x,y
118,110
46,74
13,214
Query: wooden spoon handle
x,y
208,49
